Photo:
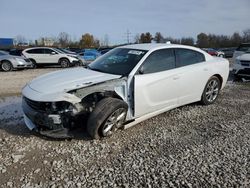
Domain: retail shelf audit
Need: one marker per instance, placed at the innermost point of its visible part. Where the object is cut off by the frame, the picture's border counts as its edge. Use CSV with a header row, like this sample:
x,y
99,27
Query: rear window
x,y
188,57
244,47
16,52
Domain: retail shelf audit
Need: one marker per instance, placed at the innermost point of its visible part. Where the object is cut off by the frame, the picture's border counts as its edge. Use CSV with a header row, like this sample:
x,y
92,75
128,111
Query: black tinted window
x,y
48,51
160,60
16,52
188,57
35,51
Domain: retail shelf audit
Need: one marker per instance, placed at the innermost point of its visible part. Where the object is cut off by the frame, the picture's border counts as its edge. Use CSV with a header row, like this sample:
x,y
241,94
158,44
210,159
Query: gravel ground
x,y
191,146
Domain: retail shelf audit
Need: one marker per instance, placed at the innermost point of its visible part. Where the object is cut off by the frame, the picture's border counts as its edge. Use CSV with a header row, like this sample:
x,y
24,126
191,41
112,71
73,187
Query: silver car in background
x,y
9,62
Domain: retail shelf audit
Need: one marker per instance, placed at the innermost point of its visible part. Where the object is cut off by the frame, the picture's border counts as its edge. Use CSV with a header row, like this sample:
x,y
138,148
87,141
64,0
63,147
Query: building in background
x,y
6,43
45,41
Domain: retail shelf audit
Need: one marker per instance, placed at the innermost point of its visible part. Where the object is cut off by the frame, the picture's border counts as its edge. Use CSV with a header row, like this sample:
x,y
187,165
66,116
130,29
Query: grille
x,y
39,106
245,63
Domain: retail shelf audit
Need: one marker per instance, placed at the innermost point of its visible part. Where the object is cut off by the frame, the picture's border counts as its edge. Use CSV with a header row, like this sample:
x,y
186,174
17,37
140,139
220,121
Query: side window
x,y
35,51
30,51
188,57
160,60
48,51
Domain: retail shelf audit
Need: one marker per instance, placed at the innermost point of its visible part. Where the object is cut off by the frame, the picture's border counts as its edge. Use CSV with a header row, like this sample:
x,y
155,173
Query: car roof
x,y
154,46
157,46
38,48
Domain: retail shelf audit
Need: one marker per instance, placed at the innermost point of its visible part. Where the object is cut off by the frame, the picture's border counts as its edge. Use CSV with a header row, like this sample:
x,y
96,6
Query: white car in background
x,y
242,49
123,87
242,66
220,53
50,56
9,62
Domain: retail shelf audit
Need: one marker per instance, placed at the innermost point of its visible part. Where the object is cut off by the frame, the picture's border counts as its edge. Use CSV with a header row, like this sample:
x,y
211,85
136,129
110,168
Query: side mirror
x,y
141,70
53,53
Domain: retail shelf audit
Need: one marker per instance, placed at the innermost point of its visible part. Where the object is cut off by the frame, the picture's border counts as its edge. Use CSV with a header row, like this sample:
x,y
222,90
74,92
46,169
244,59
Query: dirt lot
x,y
11,83
192,146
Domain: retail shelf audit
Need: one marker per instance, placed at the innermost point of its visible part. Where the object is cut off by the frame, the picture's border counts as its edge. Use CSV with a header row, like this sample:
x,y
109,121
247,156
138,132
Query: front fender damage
x,y
65,109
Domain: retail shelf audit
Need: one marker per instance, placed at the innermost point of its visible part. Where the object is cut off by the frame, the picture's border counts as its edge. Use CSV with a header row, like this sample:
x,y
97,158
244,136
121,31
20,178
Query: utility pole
x,y
128,35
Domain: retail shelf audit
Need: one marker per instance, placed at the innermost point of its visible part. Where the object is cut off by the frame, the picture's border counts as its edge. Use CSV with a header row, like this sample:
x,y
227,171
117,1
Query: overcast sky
x,y
176,18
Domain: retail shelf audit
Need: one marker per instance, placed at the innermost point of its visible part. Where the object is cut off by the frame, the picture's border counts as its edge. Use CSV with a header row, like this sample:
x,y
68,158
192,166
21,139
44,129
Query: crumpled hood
x,y
66,80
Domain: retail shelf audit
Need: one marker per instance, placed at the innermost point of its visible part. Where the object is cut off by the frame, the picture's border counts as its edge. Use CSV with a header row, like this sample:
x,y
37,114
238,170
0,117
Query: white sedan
x,y
125,86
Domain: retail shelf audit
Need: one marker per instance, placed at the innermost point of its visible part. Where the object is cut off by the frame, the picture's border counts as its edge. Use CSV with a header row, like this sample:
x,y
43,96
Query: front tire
x,y
6,66
108,116
64,63
211,91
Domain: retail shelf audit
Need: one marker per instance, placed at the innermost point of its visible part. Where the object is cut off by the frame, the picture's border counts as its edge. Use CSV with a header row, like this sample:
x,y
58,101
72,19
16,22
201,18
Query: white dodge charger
x,y
122,88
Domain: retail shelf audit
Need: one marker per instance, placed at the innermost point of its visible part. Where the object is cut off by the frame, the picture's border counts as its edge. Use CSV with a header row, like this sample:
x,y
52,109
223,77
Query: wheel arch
x,y
99,95
220,78
32,60
61,58
3,60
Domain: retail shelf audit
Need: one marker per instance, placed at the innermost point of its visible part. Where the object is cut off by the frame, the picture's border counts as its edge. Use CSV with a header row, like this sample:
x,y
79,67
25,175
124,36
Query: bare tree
x,y
246,35
236,39
63,39
137,38
158,37
20,40
187,41
146,38
202,40
172,40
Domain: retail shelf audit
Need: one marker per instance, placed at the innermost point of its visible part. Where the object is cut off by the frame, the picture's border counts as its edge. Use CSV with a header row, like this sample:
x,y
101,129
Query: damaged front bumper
x,y
56,125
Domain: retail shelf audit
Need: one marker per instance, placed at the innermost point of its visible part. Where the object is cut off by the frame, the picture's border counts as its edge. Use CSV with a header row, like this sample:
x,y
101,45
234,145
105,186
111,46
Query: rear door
x,y
194,73
38,55
156,83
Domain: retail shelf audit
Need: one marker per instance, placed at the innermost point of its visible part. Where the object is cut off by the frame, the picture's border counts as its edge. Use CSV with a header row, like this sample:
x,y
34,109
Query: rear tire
x,y
6,66
108,116
211,91
64,63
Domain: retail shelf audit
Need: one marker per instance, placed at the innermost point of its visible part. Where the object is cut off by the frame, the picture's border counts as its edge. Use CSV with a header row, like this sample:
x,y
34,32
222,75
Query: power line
x,y
128,35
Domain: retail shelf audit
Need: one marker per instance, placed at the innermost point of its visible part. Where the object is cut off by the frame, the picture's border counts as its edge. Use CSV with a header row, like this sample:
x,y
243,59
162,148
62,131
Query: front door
x,y
156,83
50,56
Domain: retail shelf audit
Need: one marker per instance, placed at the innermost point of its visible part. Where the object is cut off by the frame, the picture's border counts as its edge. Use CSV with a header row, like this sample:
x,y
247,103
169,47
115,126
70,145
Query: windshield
x,y
59,51
244,47
3,53
119,61
66,51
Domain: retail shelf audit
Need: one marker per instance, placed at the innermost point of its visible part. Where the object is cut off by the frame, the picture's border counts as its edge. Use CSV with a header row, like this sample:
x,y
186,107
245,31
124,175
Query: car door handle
x,y
176,77
205,69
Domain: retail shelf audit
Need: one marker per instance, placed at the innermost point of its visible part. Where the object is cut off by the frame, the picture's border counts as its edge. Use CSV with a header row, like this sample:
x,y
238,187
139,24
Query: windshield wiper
x,y
94,69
